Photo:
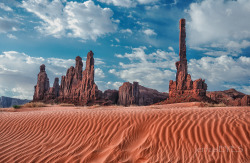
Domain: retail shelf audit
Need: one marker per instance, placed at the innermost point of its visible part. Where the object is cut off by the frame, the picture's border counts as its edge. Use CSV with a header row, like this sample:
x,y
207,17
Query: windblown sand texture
x,y
163,133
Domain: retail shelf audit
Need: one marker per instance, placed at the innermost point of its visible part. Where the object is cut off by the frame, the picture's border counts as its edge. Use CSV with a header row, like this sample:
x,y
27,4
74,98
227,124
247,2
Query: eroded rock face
x,y
42,84
184,87
149,96
135,94
129,94
111,96
77,86
230,97
89,91
71,83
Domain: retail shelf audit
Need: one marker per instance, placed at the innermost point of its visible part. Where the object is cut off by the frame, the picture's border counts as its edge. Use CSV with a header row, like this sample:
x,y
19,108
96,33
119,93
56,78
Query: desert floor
x,y
178,133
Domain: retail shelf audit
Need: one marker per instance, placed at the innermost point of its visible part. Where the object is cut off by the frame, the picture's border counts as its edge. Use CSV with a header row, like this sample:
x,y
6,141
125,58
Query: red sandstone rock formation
x,y
77,87
53,92
184,88
71,83
89,91
230,97
129,94
149,96
135,94
111,96
42,84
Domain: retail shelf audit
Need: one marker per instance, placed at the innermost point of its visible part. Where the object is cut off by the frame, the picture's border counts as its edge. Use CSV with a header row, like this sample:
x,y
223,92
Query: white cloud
x,y
220,24
4,7
127,3
170,48
221,72
152,70
146,1
149,32
121,3
11,36
7,24
71,19
18,72
99,73
117,40
126,31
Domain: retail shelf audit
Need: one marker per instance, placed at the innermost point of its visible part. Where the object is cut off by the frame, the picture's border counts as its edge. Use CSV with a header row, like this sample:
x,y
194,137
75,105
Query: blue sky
x,y
133,40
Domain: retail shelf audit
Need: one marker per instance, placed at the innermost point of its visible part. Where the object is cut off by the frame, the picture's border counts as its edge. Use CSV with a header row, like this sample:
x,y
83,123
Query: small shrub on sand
x,y
34,105
66,104
16,106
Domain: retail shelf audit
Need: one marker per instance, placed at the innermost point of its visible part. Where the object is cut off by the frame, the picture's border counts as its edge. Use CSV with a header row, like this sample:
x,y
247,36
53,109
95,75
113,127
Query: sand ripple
x,y
170,133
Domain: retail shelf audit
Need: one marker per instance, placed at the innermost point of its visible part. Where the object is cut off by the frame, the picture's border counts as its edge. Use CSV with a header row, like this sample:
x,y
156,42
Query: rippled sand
x,y
161,133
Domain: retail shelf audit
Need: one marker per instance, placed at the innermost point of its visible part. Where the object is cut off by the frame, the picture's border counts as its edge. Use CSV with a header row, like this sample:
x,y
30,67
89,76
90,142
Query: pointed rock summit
x,y
77,86
184,88
89,90
42,85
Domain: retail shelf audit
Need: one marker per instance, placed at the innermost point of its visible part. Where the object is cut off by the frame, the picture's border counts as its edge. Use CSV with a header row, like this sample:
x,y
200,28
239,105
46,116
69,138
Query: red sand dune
x,y
162,133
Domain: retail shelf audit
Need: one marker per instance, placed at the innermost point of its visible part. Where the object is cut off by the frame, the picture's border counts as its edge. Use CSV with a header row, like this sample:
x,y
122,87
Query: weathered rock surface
x,y
89,91
129,94
230,97
69,91
77,86
42,84
6,102
135,94
184,89
149,96
111,96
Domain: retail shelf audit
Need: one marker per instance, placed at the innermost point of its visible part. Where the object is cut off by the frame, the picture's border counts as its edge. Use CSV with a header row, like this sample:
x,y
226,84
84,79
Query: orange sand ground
x,y
178,133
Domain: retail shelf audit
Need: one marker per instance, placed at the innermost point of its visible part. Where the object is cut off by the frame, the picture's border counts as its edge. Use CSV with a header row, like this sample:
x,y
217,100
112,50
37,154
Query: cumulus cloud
x,y
222,72
99,73
153,70
149,32
18,72
127,3
219,24
102,85
71,19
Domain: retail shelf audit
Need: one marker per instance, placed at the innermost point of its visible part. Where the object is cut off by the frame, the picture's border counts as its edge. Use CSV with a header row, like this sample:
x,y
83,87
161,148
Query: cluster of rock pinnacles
x,y
78,86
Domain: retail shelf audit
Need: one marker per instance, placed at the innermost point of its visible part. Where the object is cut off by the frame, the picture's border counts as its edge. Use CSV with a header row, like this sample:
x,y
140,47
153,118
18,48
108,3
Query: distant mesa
x,y
6,102
230,97
78,87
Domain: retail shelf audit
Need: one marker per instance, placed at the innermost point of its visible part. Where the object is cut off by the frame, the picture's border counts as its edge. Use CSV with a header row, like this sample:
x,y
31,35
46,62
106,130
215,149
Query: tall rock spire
x,y
184,86
89,90
181,65
42,84
182,40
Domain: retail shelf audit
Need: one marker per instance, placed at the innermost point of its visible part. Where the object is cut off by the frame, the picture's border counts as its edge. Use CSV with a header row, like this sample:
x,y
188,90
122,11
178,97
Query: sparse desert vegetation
x,y
33,105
